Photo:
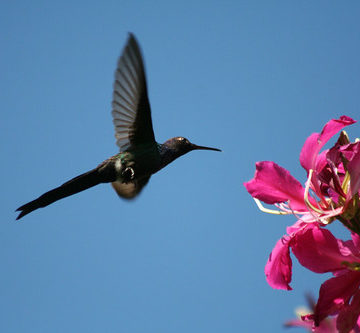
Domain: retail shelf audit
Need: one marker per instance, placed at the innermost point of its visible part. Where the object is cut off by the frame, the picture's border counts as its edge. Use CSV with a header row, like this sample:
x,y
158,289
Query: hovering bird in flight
x,y
140,155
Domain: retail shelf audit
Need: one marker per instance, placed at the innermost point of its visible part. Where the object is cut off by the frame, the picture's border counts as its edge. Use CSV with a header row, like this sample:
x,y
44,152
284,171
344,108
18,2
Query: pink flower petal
x,y
333,180
334,293
354,171
356,240
274,184
318,250
349,150
321,160
299,323
348,316
300,224
316,141
279,265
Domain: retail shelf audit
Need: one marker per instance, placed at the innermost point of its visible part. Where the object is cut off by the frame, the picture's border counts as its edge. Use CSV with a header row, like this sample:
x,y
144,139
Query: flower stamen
x,y
306,195
269,211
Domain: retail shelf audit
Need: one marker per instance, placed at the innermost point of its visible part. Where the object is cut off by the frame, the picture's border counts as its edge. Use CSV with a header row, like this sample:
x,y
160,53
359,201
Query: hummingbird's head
x,y
176,147
182,145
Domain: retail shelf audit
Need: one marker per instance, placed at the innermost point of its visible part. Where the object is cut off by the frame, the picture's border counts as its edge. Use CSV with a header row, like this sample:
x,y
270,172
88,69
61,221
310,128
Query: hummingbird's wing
x,y
130,190
130,106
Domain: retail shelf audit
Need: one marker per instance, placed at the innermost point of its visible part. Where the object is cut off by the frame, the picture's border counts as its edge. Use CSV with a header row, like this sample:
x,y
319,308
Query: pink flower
x,y
330,192
333,176
318,250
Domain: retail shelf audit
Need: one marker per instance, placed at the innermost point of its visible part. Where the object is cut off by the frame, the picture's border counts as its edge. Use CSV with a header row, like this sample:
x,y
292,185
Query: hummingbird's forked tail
x,y
75,185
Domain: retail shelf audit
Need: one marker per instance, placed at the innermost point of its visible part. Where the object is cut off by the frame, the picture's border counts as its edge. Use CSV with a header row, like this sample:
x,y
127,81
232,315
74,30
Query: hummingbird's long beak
x,y
204,148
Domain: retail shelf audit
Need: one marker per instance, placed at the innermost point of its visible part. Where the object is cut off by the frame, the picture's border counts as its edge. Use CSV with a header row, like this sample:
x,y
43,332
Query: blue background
x,y
253,78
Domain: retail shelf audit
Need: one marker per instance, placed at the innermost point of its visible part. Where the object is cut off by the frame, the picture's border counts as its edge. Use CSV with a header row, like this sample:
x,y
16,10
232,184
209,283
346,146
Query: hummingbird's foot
x,y
128,174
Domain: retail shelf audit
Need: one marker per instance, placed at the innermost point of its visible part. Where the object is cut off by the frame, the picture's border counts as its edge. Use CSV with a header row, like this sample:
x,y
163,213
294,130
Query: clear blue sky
x,y
253,78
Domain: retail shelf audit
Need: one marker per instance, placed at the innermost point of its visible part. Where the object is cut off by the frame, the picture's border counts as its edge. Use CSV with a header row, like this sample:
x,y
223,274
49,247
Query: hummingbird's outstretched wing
x,y
130,190
130,106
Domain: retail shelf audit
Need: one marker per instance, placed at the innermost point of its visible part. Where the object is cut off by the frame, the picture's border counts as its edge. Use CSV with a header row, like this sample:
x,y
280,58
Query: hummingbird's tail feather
x,y
75,185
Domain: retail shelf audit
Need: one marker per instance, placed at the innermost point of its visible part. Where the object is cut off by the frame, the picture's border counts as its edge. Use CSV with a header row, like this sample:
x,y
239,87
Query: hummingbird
x,y
140,155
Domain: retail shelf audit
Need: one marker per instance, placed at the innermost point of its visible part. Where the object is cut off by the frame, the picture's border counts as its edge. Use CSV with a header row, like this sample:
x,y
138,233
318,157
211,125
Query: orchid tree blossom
x,y
333,180
333,175
331,192
319,251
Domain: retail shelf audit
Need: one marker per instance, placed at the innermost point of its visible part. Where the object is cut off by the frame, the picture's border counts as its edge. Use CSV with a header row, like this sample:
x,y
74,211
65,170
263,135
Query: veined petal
x,y
318,250
274,184
316,141
279,265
